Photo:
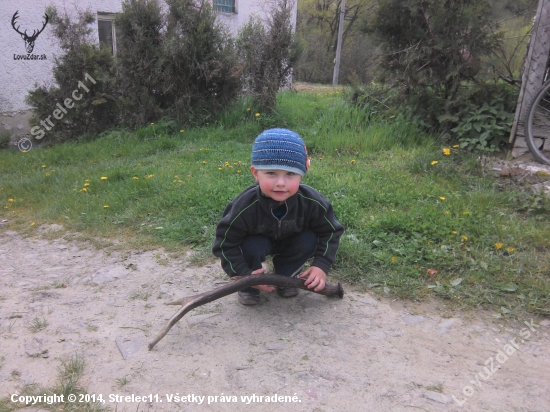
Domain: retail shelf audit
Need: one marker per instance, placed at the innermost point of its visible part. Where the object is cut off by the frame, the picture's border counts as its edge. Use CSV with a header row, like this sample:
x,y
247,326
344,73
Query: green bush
x,y
83,70
200,71
5,137
139,61
268,52
479,118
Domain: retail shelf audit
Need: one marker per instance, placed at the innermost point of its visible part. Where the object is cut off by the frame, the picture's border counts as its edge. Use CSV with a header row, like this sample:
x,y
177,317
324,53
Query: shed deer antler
x,y
191,302
29,40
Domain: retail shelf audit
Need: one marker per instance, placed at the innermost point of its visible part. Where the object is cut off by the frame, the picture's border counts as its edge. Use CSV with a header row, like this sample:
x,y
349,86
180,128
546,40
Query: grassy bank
x,y
418,222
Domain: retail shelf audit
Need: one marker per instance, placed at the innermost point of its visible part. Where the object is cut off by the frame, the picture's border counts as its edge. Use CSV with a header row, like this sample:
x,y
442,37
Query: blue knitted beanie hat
x,y
280,149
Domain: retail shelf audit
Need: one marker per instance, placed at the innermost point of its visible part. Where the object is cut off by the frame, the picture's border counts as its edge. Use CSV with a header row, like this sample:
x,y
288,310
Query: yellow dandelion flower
x,y
103,177
238,171
86,184
53,170
454,232
47,174
455,146
135,178
220,168
465,213
442,198
393,259
84,190
204,162
464,238
446,151
44,166
434,162
139,164
152,123
248,109
498,246
105,206
511,249
181,131
10,200
33,223
353,161
180,181
257,115
447,212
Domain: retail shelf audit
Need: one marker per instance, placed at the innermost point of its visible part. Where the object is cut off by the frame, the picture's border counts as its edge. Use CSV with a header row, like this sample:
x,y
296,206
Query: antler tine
x,y
36,33
46,22
13,19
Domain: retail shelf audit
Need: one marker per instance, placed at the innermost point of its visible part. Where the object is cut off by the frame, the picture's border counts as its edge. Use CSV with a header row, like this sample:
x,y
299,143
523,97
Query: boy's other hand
x,y
316,278
263,288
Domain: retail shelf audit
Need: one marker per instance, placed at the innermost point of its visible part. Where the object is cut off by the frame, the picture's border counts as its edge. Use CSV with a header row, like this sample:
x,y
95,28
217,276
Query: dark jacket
x,y
250,213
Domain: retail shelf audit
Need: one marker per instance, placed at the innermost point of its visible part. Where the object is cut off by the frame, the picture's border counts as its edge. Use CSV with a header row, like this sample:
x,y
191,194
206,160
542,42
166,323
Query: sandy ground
x,y
358,353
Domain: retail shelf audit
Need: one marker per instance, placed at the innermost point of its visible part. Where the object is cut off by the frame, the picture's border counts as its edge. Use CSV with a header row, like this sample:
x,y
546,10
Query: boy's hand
x,y
263,288
316,278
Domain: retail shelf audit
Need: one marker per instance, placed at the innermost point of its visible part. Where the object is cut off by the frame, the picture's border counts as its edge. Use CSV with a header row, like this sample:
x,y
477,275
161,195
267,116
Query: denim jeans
x,y
289,255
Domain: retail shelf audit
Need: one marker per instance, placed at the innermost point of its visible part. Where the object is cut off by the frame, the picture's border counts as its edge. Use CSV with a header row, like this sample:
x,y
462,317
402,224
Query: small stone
x,y
129,348
438,397
62,247
446,325
413,319
108,274
165,290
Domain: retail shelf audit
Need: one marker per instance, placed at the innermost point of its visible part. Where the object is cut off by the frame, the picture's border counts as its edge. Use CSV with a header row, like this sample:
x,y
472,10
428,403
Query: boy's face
x,y
277,184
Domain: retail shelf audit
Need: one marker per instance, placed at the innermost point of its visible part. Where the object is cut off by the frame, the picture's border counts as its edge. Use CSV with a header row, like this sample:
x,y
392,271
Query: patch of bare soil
x,y
352,354
523,173
299,86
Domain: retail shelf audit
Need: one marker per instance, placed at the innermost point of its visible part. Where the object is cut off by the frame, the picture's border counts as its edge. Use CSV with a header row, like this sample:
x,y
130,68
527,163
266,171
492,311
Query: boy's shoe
x,y
249,298
286,292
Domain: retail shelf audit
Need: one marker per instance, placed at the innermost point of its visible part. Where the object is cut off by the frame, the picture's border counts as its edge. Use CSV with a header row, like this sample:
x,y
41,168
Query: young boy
x,y
278,216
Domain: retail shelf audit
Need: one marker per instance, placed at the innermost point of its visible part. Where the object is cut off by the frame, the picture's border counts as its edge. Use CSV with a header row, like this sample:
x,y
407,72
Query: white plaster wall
x,y
247,8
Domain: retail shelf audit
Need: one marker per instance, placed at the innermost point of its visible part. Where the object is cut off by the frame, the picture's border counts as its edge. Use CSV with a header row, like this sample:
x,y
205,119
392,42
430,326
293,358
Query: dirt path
x,y
354,354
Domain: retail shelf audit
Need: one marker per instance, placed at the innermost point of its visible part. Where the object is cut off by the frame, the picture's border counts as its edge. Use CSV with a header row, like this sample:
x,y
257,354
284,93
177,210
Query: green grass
x,y
168,188
70,373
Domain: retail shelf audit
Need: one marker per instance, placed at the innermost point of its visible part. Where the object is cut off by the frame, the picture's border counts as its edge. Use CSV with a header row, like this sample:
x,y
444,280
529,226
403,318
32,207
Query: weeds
x,y
70,372
38,324
122,381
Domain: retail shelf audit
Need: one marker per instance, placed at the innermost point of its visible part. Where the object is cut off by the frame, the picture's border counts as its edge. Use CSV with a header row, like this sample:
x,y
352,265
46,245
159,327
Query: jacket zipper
x,y
279,220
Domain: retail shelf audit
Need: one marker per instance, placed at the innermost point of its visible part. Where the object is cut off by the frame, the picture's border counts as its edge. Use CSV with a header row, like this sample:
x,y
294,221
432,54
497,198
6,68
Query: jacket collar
x,y
268,203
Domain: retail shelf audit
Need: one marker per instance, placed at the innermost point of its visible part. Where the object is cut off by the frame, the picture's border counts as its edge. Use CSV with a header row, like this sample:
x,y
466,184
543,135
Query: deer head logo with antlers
x,y
29,40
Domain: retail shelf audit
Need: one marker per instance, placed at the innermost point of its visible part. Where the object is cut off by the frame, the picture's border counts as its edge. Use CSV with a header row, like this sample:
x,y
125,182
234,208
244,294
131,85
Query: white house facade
x,y
29,46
